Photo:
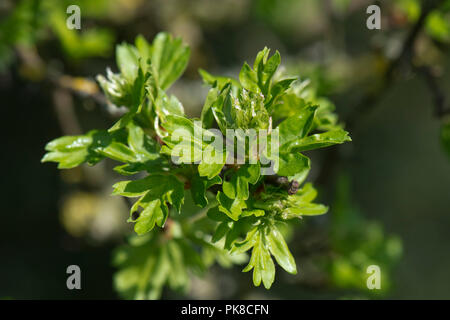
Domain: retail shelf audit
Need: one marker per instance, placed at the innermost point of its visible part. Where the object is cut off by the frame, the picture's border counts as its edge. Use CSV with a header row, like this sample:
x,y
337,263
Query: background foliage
x,y
387,190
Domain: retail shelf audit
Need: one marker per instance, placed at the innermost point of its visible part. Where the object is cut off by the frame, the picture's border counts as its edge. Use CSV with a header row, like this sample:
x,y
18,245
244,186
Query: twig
x,y
370,100
367,104
65,112
283,182
438,95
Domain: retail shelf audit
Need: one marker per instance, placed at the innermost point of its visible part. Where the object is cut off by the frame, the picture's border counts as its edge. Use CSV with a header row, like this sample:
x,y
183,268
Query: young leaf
x,y
128,61
70,151
315,141
199,186
169,58
146,264
231,207
260,260
297,126
294,165
155,191
249,79
300,204
280,251
238,186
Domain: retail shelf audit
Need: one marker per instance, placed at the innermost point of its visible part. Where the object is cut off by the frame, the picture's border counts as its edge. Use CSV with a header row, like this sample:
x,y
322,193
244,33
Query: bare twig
x,y
64,109
439,99
368,102
371,99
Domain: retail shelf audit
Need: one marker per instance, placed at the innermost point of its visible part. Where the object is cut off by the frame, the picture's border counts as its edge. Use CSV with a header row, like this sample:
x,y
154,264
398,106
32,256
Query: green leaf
x,y
231,207
300,204
140,155
216,215
297,126
141,144
249,241
238,186
155,131
191,144
155,191
278,90
69,152
151,214
207,116
210,170
253,212
259,79
280,251
266,70
179,276
221,231
157,66
165,105
265,240
123,91
221,108
212,162
143,269
307,209
199,185
169,58
183,127
119,152
294,165
145,264
289,105
315,141
260,260
249,78
128,61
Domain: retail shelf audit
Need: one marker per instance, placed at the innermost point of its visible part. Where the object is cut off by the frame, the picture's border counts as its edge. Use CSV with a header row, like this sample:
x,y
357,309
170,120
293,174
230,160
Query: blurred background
x,y
388,190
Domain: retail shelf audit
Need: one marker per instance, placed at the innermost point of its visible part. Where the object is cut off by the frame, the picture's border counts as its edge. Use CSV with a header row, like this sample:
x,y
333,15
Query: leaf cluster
x,y
240,209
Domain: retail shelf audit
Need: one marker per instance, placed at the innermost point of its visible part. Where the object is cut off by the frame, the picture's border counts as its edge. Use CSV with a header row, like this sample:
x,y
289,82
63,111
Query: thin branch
x,y
371,99
438,95
65,112
368,103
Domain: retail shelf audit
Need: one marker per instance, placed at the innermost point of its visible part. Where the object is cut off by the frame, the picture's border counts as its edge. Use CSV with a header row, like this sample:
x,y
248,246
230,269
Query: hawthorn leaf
x,y
280,251
231,207
238,186
249,78
293,165
260,260
169,58
297,126
300,204
156,191
315,141
199,185
127,58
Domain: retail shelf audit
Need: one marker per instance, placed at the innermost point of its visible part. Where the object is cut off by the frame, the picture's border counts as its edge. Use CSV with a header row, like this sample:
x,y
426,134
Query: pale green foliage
x,y
244,210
